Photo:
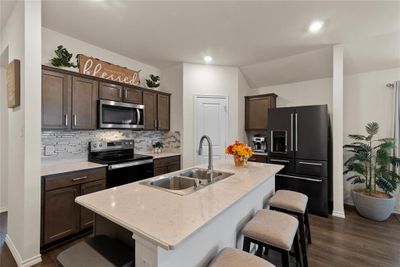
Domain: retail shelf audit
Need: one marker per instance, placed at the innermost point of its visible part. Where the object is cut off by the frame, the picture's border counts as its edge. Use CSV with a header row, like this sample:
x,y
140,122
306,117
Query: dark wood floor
x,y
354,241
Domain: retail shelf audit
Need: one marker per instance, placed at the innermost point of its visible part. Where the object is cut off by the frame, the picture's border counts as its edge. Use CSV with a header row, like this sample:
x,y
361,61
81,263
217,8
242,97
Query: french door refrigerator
x,y
299,140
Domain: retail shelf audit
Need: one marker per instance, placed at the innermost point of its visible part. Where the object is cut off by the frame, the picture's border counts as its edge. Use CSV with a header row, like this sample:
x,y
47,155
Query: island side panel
x,y
203,245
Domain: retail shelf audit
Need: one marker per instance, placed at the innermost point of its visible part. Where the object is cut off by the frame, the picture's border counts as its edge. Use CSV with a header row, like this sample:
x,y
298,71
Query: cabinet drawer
x,y
73,178
167,161
312,168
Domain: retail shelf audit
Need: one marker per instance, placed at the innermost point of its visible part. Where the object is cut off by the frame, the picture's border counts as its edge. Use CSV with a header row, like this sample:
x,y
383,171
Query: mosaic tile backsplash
x,y
72,146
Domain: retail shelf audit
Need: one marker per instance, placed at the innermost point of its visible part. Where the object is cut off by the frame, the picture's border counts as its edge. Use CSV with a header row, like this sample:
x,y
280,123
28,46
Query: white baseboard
x,y
17,257
3,209
338,214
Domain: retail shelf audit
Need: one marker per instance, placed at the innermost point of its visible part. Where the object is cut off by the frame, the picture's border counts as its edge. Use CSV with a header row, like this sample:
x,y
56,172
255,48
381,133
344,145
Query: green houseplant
x,y
153,82
62,58
372,164
158,146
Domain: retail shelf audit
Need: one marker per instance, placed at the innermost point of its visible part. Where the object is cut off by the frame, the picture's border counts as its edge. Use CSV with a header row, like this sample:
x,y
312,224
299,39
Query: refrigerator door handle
x,y
300,178
297,132
291,131
310,163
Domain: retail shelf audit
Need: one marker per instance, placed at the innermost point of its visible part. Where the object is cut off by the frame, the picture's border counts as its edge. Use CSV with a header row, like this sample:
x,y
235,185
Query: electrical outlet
x,y
49,150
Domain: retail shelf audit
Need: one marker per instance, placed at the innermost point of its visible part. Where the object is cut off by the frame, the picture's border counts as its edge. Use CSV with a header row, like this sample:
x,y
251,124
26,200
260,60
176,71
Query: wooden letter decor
x,y
13,83
98,68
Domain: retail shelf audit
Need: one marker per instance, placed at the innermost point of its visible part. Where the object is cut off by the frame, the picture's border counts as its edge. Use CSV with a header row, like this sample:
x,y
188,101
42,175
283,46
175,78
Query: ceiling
x,y
260,37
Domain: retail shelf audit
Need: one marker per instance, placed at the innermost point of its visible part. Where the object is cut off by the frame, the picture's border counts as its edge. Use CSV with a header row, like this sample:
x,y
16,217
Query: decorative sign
x,y
13,83
98,68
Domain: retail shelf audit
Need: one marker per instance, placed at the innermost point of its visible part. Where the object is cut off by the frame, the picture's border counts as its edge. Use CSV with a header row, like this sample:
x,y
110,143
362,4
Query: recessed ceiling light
x,y
315,26
207,59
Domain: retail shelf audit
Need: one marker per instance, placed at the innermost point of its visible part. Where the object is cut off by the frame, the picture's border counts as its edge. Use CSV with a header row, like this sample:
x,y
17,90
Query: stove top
x,y
114,152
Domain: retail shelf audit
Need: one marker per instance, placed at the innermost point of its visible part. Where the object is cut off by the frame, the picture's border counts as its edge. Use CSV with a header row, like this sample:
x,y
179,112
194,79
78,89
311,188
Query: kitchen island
x,y
172,230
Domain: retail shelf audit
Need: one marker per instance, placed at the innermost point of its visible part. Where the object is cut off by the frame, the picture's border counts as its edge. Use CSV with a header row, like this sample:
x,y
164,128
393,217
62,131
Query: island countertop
x,y
166,219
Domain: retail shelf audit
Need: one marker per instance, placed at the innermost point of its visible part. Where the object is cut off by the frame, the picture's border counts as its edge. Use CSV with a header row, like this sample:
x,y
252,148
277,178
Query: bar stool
x,y
273,230
294,203
232,257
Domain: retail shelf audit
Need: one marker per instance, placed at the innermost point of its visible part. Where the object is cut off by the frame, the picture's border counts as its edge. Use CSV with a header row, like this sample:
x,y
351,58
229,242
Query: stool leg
x,y
296,245
246,244
285,258
307,221
303,239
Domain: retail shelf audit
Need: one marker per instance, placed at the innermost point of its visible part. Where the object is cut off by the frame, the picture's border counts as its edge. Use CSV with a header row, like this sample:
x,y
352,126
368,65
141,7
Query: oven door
x,y
129,172
119,115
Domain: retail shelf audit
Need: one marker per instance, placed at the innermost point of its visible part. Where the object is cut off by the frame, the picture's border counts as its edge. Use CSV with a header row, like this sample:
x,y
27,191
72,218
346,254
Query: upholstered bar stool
x,y
273,230
232,257
294,203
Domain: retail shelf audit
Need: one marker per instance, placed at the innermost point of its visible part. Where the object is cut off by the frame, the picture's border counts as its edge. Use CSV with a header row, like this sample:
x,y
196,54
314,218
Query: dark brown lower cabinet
x,y
61,213
87,188
61,216
259,158
166,165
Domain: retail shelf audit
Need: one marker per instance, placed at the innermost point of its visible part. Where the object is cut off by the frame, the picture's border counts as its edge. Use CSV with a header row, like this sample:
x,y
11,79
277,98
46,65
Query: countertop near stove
x,y
63,167
167,219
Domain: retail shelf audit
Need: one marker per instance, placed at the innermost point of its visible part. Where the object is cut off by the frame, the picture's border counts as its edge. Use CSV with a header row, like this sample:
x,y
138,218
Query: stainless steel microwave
x,y
120,115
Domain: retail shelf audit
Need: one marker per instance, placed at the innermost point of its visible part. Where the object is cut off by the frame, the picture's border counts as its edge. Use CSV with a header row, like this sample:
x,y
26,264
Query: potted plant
x,y
153,82
372,164
241,153
62,58
158,146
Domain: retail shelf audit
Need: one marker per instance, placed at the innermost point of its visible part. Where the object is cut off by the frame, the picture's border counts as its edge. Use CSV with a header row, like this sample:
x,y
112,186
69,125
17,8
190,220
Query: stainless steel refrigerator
x,y
300,140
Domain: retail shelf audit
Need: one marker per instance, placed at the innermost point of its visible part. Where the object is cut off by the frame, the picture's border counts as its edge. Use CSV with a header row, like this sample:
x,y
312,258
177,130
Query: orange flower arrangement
x,y
241,152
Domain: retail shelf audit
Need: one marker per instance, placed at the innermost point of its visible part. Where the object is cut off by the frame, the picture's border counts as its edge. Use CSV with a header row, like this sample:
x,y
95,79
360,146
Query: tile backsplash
x,y
73,145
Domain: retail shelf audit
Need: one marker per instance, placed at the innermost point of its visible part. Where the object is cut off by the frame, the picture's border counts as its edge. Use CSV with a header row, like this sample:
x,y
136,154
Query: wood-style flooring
x,y
354,241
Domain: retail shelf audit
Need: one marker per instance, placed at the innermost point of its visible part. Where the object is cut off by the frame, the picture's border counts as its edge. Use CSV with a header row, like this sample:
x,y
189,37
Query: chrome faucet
x,y
210,169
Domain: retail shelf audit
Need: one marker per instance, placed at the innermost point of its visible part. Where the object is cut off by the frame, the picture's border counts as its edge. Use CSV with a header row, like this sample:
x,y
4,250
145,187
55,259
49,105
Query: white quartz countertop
x,y
56,168
167,219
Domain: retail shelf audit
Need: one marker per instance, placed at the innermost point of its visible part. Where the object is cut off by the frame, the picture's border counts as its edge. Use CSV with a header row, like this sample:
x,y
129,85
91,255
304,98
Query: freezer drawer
x,y
316,188
312,167
288,163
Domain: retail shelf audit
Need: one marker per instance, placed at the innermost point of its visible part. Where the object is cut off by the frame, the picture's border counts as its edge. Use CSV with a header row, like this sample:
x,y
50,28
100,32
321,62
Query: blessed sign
x,y
98,68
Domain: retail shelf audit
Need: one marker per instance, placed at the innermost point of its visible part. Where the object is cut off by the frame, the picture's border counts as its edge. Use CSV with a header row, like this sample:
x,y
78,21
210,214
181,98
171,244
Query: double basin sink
x,y
188,181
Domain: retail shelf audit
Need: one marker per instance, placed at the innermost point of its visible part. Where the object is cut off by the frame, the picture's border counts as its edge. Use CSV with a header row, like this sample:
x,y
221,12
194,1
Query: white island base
x,y
196,227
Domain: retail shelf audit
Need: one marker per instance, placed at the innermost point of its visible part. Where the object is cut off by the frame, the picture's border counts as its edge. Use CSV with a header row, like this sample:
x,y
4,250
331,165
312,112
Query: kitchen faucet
x,y
210,169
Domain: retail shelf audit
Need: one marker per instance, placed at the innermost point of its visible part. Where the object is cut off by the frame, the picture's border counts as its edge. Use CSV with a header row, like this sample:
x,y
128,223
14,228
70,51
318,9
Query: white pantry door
x,y
210,118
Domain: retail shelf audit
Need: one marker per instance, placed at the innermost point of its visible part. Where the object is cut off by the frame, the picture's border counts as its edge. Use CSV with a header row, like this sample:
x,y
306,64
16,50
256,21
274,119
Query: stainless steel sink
x,y
174,184
187,182
204,176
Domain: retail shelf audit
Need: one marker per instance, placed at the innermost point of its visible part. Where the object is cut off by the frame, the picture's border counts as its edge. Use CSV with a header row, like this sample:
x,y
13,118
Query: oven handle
x,y
138,117
129,164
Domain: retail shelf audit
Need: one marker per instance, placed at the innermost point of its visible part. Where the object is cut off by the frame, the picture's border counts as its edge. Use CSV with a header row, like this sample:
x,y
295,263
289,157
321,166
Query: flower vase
x,y
239,162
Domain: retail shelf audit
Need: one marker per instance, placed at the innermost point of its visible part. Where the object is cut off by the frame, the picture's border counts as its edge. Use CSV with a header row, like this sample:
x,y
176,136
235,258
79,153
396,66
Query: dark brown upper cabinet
x,y
68,102
150,110
157,111
84,103
133,95
110,91
56,98
256,111
163,110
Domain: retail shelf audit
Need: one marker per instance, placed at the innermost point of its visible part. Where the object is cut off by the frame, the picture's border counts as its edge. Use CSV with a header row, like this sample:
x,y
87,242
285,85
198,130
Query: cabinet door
x,y
163,112
110,91
60,213
133,95
257,113
84,103
56,97
150,110
87,188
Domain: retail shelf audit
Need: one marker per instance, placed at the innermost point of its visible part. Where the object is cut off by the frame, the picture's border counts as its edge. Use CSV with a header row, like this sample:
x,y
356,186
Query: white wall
x,y
172,82
207,80
3,137
51,39
366,99
243,90
22,36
